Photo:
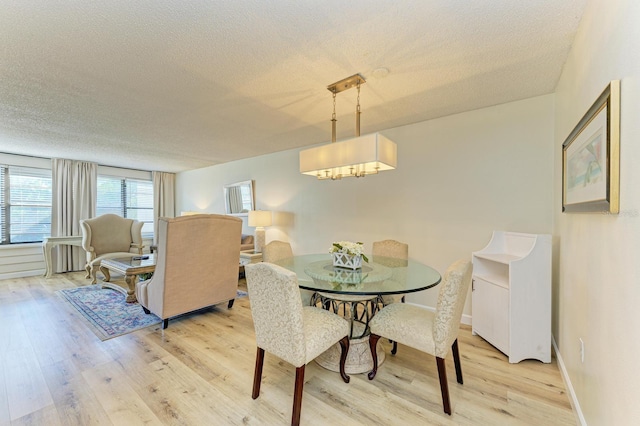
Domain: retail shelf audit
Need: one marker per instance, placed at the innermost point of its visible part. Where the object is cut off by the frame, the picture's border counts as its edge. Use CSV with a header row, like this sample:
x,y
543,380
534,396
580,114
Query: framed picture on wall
x,y
591,158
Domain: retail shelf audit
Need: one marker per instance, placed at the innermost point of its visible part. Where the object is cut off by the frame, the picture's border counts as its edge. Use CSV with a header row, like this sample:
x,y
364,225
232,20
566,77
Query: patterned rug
x,y
107,312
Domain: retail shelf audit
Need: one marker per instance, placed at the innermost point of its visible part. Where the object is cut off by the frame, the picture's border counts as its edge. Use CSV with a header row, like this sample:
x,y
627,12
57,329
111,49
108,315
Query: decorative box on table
x,y
349,261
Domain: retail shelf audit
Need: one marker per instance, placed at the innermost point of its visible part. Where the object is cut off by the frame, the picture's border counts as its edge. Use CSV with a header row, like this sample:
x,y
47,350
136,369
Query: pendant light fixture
x,y
359,156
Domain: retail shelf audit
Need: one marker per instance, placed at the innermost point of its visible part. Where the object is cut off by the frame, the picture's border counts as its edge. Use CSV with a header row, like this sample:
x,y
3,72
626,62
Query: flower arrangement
x,y
348,247
347,254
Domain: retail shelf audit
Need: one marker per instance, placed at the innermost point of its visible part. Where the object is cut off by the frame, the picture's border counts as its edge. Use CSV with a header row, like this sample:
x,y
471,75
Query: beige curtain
x,y
74,186
164,199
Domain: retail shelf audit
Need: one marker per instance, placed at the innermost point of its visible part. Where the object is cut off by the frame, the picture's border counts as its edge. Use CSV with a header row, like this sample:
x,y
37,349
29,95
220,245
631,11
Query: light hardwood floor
x,y
199,371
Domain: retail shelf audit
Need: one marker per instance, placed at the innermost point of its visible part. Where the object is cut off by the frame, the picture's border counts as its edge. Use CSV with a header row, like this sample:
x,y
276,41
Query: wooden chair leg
x,y
373,342
230,305
444,387
257,375
394,350
297,396
344,346
456,360
146,311
165,323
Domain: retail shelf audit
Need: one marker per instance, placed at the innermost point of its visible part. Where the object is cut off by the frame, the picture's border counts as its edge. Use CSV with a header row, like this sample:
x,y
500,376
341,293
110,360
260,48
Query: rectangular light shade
x,y
259,218
359,156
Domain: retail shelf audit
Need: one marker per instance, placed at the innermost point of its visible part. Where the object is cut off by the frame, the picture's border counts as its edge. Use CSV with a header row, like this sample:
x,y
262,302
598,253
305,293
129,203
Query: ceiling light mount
x,y
357,157
346,84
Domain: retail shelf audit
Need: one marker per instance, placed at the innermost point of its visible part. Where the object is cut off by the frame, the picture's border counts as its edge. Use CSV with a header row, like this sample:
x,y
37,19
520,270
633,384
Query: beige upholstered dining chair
x,y
396,250
109,236
278,250
286,329
426,331
196,265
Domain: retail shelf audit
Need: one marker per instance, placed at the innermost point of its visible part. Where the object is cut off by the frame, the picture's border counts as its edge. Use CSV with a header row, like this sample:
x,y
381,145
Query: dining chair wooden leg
x,y
456,360
230,305
297,396
257,375
394,350
344,345
165,323
444,387
373,342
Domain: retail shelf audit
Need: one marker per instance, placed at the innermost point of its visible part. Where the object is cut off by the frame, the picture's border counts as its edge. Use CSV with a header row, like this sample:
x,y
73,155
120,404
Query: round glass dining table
x,y
358,293
379,276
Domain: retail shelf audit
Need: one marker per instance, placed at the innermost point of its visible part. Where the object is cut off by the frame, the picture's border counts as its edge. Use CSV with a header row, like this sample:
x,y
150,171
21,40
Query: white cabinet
x,y
511,295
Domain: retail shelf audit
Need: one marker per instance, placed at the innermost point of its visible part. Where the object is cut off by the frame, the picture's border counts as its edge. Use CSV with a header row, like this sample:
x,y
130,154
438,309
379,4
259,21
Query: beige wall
x,y
597,267
458,178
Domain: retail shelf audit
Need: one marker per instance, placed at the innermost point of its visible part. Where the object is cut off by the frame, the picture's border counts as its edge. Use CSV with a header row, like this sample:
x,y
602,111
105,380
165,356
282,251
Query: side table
x,y
247,257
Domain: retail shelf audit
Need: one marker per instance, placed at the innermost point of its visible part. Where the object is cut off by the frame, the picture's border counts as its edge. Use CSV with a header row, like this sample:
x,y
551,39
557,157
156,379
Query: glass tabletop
x,y
381,275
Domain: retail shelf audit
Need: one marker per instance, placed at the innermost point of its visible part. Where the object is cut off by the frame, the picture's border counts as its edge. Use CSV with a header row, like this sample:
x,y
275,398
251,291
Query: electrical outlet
x,y
581,350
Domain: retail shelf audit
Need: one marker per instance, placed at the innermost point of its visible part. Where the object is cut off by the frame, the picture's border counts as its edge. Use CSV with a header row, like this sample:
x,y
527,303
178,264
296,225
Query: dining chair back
x,y
397,250
276,250
426,331
286,329
279,250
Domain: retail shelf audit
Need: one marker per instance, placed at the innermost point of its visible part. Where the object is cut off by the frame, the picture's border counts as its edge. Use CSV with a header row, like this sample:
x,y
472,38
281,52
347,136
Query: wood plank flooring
x,y
199,371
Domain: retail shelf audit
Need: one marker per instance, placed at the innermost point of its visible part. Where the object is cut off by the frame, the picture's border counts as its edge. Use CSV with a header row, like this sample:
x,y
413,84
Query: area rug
x,y
107,312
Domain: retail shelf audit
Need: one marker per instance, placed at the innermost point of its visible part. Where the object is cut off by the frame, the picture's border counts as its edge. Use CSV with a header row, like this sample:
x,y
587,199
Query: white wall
x,y
597,265
458,178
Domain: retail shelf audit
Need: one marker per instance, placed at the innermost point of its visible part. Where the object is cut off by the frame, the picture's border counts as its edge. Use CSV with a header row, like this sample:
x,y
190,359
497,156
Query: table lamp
x,y
259,219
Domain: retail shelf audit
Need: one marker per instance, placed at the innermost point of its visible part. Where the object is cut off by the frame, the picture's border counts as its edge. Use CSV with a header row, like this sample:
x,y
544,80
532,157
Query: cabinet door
x,y
490,313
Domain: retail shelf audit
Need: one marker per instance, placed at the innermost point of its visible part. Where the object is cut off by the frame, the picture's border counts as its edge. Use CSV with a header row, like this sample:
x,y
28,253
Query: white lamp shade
x,y
359,156
259,218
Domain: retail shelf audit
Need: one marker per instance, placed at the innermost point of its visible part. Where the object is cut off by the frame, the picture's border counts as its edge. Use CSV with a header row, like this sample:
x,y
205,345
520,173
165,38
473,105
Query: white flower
x,y
348,247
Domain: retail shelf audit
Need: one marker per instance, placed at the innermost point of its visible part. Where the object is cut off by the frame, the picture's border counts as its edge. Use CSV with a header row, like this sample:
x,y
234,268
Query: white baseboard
x,y
22,274
567,382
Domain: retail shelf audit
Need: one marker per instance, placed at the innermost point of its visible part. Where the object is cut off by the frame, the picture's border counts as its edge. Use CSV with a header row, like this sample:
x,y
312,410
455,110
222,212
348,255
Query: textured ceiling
x,y
176,85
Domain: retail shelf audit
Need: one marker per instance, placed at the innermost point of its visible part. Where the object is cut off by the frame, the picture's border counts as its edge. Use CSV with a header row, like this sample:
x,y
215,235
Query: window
x,y
130,198
25,204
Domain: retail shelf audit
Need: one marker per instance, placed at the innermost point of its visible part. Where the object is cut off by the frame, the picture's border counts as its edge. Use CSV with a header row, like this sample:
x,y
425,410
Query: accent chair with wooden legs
x,y
426,331
294,333
109,237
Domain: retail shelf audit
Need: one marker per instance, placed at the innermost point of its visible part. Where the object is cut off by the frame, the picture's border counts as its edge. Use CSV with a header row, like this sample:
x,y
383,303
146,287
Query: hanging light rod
x,y
355,157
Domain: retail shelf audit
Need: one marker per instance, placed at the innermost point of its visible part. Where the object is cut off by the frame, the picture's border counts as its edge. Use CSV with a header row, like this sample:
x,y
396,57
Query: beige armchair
x,y
246,242
196,265
108,237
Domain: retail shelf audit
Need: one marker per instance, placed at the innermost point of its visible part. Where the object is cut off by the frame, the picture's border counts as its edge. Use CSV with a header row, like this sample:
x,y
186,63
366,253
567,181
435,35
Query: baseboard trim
x,y
22,274
575,404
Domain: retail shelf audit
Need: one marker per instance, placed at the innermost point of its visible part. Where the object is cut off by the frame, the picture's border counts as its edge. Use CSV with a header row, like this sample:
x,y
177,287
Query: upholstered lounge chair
x,y
196,265
109,237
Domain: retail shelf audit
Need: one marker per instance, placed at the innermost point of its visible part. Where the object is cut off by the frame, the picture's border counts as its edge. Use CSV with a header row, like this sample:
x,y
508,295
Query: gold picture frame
x,y
591,158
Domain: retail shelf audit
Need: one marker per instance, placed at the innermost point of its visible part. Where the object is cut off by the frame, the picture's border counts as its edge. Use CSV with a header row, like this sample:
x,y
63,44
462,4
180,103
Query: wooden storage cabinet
x,y
511,295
